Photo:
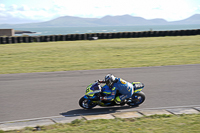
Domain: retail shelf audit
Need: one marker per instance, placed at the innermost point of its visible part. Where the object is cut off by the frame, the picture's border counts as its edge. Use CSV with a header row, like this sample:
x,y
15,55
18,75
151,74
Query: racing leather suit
x,y
125,88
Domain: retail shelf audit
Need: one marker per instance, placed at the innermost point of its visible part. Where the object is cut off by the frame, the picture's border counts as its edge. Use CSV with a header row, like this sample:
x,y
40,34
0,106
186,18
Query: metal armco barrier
x,y
88,36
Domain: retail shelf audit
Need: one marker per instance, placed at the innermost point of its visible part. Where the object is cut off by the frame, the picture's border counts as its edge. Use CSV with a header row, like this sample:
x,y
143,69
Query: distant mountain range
x,y
124,20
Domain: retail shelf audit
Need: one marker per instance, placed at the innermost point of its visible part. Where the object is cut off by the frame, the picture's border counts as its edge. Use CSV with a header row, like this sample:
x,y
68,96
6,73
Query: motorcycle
x,y
94,91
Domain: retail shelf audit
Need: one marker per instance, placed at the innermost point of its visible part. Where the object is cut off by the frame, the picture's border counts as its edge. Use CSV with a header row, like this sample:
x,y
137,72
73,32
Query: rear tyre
x,y
86,103
137,99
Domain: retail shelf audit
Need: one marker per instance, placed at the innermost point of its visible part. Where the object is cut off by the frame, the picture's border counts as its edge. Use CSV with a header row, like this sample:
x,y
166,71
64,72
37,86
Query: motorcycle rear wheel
x,y
86,103
137,99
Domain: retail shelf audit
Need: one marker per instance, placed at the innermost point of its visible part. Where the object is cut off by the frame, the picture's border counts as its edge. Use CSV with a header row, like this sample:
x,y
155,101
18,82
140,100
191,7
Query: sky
x,y
25,11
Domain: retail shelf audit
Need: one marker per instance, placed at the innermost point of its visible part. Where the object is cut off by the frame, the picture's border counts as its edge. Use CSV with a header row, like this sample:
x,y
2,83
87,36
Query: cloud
x,y
24,8
2,7
49,9
170,10
24,14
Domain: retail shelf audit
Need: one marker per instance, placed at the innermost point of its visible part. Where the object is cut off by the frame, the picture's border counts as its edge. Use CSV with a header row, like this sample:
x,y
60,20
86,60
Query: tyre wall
x,y
94,36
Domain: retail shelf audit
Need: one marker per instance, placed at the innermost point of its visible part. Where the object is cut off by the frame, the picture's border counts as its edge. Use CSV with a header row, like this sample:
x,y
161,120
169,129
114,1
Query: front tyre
x,y
86,103
137,99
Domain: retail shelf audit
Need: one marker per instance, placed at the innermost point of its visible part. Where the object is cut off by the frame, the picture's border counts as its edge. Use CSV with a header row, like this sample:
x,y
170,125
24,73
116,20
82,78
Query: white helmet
x,y
109,79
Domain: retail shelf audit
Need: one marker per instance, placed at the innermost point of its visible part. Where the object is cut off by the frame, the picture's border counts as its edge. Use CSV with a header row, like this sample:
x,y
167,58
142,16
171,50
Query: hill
x,y
124,20
195,19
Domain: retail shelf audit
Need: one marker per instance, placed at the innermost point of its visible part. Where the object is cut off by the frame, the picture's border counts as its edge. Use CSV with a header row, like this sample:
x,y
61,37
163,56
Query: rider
x,y
113,85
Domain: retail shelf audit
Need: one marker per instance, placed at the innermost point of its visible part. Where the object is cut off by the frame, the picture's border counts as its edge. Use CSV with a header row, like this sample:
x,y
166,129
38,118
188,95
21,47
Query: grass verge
x,y
99,54
150,124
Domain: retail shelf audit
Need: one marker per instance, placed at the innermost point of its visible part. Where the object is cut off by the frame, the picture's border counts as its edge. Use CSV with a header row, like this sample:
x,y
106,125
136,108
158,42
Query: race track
x,y
34,95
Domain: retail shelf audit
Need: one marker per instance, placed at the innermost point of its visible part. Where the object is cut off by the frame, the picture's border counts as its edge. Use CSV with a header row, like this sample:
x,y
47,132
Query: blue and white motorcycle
x,y
94,92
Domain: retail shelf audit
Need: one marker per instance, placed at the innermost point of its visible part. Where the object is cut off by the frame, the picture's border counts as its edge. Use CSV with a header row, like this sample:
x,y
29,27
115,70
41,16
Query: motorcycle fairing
x,y
92,89
138,86
96,102
106,90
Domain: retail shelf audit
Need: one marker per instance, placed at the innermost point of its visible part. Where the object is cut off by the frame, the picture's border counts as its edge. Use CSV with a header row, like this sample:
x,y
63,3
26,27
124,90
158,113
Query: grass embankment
x,y
99,54
151,124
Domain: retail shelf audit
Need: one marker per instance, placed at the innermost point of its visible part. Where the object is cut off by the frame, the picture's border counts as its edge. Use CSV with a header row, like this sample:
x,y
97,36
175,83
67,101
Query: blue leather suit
x,y
125,88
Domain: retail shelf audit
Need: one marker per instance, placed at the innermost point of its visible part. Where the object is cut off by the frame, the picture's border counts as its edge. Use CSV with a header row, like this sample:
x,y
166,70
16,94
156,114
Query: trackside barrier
x,y
95,36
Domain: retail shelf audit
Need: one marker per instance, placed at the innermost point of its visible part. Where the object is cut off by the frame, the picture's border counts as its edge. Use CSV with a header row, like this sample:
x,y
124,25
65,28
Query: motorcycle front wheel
x,y
86,103
137,99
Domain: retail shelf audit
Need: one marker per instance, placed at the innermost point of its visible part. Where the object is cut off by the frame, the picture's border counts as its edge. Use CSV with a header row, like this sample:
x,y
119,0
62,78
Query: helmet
x,y
109,79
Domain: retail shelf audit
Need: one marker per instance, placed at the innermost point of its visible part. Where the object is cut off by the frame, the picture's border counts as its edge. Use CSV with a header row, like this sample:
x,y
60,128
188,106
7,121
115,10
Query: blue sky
x,y
23,11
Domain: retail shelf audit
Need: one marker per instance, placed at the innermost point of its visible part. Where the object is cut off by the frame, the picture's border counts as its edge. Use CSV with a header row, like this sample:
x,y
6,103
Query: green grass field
x,y
151,124
103,54
99,54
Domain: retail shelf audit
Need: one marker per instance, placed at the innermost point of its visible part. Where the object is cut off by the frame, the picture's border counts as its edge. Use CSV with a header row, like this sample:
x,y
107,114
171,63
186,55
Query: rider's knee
x,y
118,100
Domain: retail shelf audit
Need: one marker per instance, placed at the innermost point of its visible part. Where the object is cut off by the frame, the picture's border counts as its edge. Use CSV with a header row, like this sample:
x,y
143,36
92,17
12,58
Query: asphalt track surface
x,y
46,94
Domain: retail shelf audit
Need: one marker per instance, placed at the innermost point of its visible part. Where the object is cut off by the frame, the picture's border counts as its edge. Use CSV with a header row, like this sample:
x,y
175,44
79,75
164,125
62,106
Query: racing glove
x,y
101,81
